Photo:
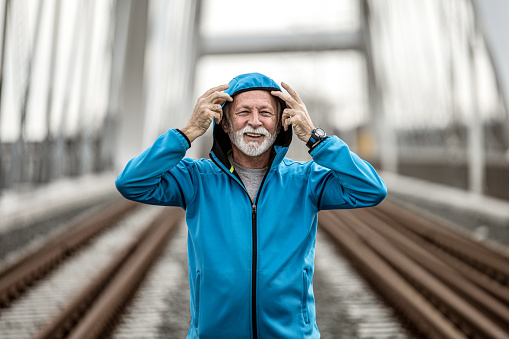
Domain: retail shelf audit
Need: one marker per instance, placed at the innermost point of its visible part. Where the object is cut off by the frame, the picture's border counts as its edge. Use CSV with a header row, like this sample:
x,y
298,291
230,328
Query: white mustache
x,y
259,130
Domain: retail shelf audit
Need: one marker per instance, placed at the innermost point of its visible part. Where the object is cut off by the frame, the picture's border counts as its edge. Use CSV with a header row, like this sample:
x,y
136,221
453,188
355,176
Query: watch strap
x,y
315,138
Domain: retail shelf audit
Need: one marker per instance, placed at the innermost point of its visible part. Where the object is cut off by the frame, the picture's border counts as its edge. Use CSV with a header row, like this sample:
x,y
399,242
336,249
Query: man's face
x,y
253,117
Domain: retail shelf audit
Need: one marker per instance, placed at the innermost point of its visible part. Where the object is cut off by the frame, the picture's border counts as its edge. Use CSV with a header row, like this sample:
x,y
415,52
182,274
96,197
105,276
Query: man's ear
x,y
224,124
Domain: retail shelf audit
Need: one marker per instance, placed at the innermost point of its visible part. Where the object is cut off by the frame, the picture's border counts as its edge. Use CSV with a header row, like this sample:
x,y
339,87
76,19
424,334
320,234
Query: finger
x,y
218,116
292,92
214,111
219,97
288,113
291,102
215,108
287,122
215,89
221,101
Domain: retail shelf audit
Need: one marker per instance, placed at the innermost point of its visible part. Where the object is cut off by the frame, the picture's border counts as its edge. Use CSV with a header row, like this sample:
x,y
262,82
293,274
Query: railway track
x,y
346,306
81,295
18,275
442,283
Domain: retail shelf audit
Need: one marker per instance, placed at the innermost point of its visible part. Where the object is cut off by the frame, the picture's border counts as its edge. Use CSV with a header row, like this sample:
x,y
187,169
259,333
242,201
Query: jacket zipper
x,y
255,248
255,255
253,273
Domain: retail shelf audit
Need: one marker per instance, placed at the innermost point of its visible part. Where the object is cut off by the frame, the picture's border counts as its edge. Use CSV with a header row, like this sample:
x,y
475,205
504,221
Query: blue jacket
x,y
251,263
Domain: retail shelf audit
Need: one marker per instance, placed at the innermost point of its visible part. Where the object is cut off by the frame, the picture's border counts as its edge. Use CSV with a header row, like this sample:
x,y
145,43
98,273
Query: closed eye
x,y
266,114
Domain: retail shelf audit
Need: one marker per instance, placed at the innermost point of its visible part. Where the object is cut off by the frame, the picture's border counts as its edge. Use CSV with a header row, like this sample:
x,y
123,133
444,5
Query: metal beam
x,y
3,45
130,118
491,16
379,126
281,43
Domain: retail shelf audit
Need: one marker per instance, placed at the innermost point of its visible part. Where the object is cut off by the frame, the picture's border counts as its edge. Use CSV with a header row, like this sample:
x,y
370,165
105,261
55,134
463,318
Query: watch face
x,y
320,133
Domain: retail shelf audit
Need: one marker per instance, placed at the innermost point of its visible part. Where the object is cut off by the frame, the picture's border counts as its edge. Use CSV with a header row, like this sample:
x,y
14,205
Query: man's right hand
x,y
207,108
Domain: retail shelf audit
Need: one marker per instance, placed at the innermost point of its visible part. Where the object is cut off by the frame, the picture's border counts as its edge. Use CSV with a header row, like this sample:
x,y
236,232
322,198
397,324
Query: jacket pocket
x,y
197,299
305,287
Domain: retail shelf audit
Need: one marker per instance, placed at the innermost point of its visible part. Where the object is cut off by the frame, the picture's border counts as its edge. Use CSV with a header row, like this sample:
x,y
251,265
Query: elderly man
x,y
251,213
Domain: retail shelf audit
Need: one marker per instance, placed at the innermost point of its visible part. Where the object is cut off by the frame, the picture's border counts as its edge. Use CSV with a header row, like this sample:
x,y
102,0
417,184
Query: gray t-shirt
x,y
251,177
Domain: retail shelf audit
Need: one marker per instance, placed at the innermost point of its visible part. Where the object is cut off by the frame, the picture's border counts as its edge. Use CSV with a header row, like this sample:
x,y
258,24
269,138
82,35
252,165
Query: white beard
x,y
251,148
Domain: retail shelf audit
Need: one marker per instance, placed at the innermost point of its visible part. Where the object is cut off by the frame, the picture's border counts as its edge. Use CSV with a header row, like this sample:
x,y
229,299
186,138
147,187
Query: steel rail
x,y
452,272
492,263
492,286
18,275
460,286
95,310
440,294
421,314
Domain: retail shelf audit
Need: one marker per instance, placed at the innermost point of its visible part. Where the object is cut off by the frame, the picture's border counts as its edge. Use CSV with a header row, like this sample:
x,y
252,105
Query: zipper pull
x,y
254,210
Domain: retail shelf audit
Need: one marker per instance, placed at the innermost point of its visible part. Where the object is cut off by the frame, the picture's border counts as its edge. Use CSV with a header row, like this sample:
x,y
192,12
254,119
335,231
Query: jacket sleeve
x,y
160,175
340,179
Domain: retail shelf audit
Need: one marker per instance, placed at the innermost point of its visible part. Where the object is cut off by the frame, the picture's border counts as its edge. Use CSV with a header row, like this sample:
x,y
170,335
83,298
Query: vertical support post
x,y
26,156
130,120
46,161
194,51
62,160
2,68
380,127
85,138
194,36
476,156
119,26
157,70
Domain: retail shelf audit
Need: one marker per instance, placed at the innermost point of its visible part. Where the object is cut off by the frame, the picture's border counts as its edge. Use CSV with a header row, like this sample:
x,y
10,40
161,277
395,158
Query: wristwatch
x,y
317,135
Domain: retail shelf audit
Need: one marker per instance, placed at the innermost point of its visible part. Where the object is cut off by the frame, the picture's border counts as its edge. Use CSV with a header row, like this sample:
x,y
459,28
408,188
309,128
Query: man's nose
x,y
255,120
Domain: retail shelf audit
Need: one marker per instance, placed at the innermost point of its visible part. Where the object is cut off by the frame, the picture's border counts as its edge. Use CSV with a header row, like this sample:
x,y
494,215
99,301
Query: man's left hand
x,y
295,113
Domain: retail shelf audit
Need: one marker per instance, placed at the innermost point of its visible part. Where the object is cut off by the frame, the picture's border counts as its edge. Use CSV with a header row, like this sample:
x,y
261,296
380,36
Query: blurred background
x,y
419,89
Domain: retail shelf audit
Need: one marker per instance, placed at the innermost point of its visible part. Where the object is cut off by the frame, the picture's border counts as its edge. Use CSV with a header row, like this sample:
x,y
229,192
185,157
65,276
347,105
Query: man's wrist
x,y
190,133
185,136
307,136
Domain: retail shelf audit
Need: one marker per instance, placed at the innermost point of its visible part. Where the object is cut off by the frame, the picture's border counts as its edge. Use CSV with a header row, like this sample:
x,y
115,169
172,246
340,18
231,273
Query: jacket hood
x,y
244,83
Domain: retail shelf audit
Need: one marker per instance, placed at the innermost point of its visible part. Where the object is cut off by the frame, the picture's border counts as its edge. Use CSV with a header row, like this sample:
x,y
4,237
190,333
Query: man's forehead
x,y
261,97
